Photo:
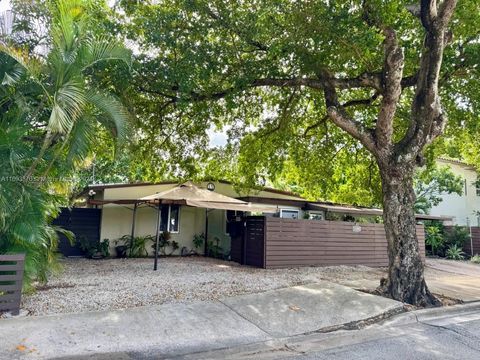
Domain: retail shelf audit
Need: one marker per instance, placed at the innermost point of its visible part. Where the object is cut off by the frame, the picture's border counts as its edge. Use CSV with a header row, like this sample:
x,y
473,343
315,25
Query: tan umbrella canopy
x,y
191,195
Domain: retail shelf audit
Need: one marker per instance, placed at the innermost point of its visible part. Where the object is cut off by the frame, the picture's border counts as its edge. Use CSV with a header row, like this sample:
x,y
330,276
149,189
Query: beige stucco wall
x,y
117,221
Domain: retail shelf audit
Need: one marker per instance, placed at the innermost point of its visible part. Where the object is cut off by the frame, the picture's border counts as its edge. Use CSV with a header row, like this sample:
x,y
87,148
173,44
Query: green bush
x,y
434,238
457,235
475,259
94,249
455,252
136,246
198,240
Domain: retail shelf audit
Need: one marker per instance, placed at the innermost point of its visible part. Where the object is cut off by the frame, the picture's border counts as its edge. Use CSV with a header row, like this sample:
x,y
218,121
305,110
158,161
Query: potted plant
x,y
121,246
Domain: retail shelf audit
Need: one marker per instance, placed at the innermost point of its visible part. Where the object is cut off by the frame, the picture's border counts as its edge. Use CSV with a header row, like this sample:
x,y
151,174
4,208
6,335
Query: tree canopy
x,y
256,70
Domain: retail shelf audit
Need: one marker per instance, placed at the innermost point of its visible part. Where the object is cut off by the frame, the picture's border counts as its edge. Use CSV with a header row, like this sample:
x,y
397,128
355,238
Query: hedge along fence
x,y
291,242
11,279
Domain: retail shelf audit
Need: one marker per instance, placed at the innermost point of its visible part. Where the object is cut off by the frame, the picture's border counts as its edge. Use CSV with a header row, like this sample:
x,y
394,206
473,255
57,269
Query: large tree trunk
x,y
406,280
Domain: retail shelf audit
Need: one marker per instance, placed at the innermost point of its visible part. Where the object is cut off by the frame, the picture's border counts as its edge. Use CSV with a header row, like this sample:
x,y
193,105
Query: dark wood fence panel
x,y
236,244
11,280
292,242
254,246
83,222
475,240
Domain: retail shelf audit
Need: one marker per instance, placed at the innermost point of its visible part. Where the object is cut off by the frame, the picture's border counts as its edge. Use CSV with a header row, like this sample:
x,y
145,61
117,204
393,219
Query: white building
x,y
464,209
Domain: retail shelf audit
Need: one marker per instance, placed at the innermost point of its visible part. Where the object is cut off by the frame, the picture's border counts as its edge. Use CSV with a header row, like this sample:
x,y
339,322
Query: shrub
x,y
457,235
475,259
94,248
198,240
136,246
455,252
434,238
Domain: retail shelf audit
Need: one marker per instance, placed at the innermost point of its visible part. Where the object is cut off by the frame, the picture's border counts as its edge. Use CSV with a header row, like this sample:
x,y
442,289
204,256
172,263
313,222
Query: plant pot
x,y
121,251
98,255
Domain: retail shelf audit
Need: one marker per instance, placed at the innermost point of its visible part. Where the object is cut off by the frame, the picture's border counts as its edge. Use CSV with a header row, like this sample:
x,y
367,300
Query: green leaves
x,y
53,108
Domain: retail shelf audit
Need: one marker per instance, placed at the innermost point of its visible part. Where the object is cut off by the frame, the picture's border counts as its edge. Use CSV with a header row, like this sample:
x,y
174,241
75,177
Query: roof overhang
x,y
345,209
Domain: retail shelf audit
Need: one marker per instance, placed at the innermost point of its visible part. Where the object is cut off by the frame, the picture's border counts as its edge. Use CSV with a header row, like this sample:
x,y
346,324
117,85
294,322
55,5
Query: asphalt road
x,y
431,336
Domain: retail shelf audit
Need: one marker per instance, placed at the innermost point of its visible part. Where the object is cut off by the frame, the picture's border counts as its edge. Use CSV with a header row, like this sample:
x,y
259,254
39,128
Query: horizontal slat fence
x,y
11,279
294,242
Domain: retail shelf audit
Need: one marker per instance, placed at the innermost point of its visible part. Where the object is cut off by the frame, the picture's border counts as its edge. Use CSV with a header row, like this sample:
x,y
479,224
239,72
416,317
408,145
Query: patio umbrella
x,y
191,195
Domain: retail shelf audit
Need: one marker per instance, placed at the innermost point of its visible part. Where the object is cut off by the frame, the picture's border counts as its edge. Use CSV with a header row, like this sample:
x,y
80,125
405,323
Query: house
x,y
465,208
182,222
117,203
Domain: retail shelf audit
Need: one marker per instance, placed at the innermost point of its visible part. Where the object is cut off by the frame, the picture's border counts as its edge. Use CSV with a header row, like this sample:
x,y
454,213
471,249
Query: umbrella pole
x,y
157,238
206,233
133,222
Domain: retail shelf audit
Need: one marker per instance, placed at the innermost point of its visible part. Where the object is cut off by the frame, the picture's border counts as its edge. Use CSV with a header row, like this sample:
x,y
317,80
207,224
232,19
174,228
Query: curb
x,y
427,314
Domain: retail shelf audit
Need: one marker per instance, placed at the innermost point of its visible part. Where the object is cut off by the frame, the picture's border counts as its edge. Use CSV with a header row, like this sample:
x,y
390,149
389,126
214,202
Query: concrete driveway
x,y
455,279
175,329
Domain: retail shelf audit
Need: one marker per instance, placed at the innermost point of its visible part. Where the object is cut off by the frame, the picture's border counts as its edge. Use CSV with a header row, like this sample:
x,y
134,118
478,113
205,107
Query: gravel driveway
x,y
89,285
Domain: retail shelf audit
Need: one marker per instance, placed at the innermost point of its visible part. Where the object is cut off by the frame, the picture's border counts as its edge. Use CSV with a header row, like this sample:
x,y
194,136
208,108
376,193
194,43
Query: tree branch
x,y
392,88
340,117
445,12
428,12
428,118
350,103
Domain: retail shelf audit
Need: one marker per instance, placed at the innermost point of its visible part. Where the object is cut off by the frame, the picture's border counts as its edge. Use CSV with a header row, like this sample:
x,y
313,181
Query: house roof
x,y
456,161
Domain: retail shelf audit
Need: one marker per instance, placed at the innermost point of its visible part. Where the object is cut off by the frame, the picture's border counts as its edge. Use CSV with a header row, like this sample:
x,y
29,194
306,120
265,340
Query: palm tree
x,y
50,110
69,106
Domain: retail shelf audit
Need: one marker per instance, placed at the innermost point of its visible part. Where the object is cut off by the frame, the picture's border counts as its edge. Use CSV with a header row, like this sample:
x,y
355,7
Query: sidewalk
x,y
176,329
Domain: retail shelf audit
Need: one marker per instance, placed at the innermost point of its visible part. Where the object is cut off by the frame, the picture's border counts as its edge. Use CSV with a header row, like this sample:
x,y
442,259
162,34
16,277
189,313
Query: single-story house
x,y
117,204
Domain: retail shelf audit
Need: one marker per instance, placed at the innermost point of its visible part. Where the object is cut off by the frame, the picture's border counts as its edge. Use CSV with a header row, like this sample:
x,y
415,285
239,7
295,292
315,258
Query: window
x,y
316,215
477,186
169,218
288,214
173,218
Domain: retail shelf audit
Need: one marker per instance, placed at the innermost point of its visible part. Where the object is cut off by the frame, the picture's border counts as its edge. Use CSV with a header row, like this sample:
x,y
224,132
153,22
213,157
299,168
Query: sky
x,y
4,5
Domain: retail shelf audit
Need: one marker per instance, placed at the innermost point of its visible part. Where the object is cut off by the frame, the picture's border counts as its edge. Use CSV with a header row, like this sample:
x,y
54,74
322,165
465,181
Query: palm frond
x,y
13,76
81,140
96,50
69,102
30,63
114,111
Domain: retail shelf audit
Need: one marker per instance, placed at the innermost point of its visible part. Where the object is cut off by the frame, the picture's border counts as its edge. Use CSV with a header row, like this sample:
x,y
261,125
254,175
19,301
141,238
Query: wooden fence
x,y
290,242
475,231
11,279
84,223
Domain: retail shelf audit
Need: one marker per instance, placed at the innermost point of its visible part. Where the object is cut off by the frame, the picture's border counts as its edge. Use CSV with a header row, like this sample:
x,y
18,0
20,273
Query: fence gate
x,y
255,241
248,241
11,279
84,223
